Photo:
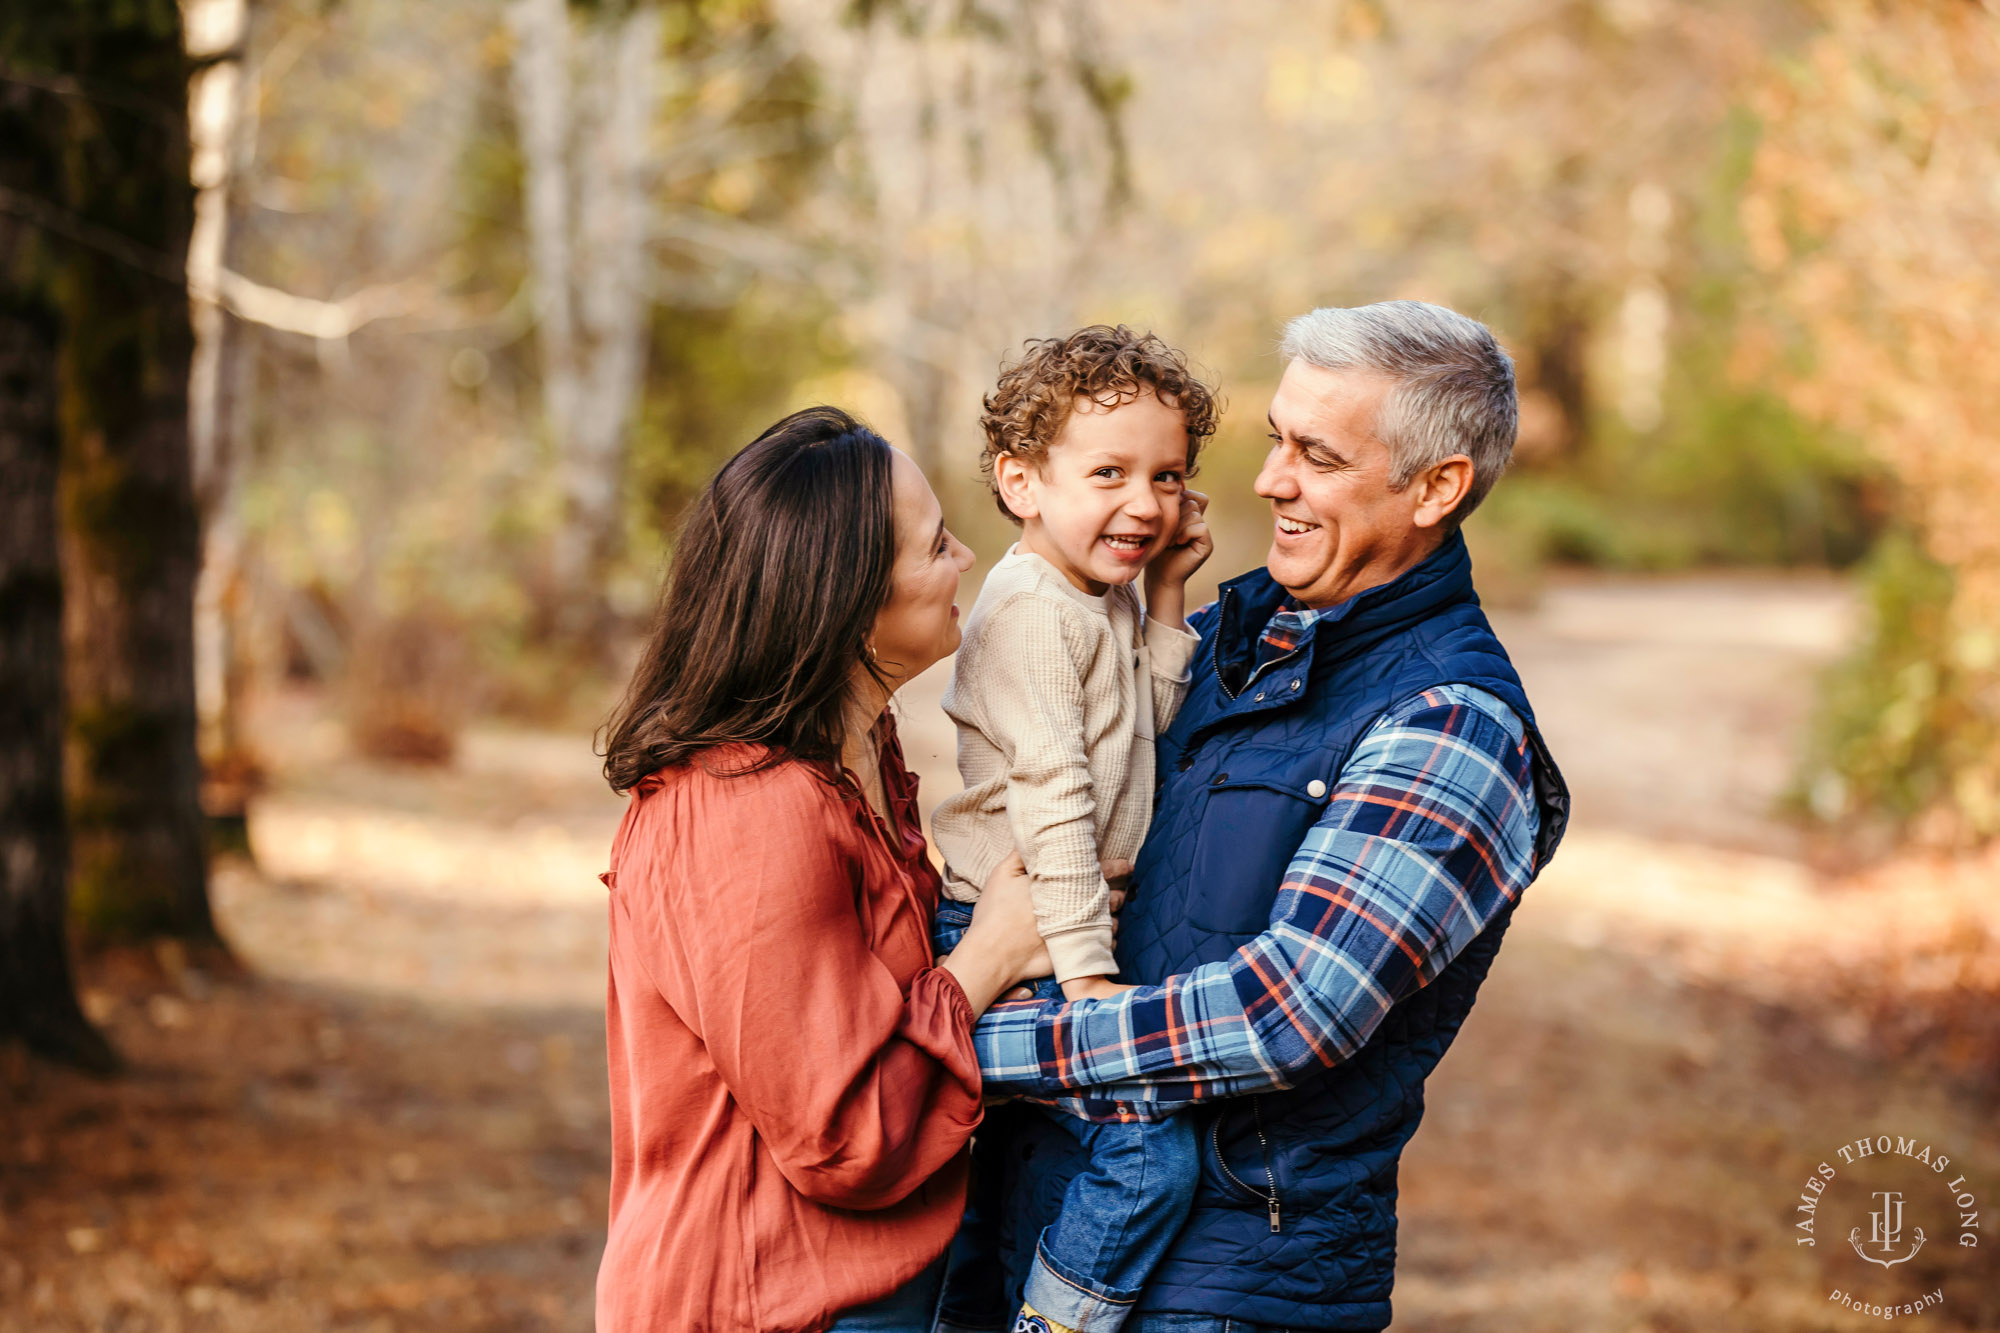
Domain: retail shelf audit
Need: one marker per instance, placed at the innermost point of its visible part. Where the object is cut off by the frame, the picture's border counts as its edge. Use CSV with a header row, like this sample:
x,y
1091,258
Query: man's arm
x,y
1428,836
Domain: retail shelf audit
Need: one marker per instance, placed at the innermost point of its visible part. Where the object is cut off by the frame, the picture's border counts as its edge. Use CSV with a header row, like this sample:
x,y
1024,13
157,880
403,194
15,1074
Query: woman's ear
x,y
1013,476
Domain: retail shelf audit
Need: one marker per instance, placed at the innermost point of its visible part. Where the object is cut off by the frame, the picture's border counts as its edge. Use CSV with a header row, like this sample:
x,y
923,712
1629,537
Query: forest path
x,y
402,1123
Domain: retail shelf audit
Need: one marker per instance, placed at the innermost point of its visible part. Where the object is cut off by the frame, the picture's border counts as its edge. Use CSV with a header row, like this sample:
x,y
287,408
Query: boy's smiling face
x,y
1106,497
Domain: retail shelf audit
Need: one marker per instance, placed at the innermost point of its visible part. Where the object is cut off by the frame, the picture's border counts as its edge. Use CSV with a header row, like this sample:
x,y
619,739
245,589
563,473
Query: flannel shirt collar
x,y
1285,630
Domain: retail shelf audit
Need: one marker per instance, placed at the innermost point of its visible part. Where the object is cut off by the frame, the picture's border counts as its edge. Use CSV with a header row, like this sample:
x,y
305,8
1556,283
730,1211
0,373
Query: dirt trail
x,y
401,1123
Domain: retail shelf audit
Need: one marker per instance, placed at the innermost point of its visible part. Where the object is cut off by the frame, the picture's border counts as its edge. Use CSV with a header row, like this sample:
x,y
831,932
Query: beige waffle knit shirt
x,y
1057,696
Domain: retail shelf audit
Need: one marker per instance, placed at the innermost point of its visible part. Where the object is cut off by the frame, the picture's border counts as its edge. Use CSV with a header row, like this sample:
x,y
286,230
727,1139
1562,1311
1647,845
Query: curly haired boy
x,y
1061,683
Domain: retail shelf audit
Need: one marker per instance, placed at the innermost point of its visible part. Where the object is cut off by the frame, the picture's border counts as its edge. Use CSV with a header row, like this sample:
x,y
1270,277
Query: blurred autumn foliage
x,y
549,264
481,293
1872,212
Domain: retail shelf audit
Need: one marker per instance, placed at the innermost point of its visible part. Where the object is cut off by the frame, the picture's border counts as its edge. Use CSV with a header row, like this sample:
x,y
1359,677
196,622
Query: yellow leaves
x,y
868,395
333,535
1307,88
496,48
734,188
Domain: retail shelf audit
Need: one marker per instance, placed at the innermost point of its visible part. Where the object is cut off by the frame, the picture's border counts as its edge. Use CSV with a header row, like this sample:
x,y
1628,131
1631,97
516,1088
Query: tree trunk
x,y
130,546
217,31
37,993
584,146
1562,367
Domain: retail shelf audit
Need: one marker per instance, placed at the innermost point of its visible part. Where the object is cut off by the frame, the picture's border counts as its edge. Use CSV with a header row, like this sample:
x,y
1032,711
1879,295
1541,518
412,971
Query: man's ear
x,y
1011,476
1441,488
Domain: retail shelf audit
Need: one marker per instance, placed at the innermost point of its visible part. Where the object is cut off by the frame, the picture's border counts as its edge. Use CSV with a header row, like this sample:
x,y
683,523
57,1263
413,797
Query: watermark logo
x,y
1888,1197
1887,1231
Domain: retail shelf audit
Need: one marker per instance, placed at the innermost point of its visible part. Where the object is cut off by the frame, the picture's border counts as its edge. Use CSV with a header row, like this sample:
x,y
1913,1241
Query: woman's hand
x,y
1118,877
1003,944
1007,902
1117,874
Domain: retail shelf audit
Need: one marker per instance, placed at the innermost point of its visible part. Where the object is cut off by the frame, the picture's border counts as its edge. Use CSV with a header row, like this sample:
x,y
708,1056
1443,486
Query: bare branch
x,y
329,321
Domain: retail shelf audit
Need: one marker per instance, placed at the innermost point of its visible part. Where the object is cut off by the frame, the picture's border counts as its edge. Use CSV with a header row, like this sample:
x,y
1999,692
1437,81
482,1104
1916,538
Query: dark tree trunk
x,y
130,545
37,993
1562,370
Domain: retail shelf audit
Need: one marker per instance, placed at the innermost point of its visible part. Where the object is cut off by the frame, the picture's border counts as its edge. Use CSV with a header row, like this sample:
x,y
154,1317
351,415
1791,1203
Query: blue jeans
x,y
910,1308
1120,1214
1195,1323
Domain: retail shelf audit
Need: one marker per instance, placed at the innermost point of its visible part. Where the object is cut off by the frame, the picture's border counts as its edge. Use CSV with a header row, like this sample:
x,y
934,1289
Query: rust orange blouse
x,y
792,1080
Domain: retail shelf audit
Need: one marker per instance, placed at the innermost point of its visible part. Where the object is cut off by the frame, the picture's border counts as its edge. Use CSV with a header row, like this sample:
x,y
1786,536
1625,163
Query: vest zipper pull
x,y
1276,1221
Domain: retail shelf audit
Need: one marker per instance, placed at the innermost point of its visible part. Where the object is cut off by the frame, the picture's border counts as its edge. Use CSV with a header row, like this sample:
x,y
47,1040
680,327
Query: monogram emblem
x,y
1886,1231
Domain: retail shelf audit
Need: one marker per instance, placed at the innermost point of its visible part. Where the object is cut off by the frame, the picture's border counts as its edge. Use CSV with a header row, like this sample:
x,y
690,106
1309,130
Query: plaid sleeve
x,y
1427,837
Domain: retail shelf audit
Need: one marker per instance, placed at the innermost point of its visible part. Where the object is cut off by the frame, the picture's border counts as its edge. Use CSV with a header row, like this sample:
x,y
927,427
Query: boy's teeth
x,y
1294,527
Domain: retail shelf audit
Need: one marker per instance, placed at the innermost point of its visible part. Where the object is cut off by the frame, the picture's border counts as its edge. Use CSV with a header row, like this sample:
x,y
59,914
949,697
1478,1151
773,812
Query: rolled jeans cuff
x,y
1074,1303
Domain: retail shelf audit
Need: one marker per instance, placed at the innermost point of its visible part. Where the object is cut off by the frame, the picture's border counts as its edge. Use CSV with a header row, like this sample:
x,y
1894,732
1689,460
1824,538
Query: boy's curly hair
x,y
1028,407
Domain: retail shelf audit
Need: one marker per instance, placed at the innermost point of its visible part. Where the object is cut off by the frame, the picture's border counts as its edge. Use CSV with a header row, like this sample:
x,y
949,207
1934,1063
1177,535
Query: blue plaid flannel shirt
x,y
1428,834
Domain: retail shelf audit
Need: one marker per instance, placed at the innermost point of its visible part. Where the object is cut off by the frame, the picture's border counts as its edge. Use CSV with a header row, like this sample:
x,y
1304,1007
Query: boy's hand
x,y
1167,574
1187,549
1092,988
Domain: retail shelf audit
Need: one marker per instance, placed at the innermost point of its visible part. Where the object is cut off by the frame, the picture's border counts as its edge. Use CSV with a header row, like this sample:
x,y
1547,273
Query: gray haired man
x,y
1352,800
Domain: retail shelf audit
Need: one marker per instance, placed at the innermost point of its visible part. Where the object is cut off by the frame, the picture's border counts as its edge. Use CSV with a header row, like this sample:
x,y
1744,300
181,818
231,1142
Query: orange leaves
x,y
1873,208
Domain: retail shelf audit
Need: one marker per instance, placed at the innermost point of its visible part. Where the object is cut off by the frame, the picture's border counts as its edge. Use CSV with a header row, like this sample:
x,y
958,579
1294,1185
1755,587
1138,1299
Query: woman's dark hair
x,y
779,569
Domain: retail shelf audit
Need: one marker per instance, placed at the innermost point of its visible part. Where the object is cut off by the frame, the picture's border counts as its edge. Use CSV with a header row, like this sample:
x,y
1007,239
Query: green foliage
x,y
1733,475
1900,726
719,377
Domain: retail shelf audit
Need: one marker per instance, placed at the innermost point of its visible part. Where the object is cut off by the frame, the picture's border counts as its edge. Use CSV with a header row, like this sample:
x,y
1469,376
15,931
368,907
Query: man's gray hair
x,y
1454,386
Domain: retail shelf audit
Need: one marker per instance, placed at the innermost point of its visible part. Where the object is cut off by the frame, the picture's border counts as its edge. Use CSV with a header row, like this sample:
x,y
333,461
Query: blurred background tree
x,y
101,816
130,540
37,999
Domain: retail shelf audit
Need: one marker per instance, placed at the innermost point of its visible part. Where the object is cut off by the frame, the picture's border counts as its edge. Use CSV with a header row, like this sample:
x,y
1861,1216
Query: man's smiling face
x,y
1338,528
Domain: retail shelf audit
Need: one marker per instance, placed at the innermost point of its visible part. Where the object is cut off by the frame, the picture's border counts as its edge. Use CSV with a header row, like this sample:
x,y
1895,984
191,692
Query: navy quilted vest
x,y
1294,1224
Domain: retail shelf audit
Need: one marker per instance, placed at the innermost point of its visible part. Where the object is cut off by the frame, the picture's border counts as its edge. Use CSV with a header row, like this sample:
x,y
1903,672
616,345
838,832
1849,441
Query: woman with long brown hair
x,y
792,1075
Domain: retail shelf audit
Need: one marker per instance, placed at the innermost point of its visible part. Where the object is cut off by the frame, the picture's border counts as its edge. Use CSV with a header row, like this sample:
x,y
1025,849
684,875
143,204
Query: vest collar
x,y
1246,603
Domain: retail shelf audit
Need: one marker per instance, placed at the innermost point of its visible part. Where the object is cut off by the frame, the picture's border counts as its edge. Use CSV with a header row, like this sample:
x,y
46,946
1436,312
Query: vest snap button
x,y
1219,779
1259,699
1295,685
1315,789
1184,763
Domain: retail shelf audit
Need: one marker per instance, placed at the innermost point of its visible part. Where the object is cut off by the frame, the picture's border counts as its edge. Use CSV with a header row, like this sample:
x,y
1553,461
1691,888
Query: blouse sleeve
x,y
744,911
